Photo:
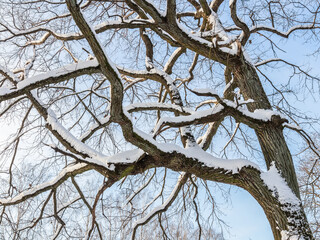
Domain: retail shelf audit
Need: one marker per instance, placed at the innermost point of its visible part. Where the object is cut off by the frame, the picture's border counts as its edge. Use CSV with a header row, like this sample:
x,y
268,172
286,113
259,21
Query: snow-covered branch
x,y
54,183
55,76
220,111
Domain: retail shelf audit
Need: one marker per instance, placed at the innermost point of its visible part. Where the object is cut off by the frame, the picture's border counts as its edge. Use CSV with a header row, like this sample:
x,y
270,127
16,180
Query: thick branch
x,y
55,76
62,177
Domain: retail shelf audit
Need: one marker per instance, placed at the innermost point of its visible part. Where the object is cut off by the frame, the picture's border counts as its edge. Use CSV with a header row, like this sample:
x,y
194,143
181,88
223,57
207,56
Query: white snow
x,y
241,101
259,114
267,61
41,187
173,55
39,41
230,165
58,72
278,186
7,72
193,117
4,91
44,76
286,235
271,29
231,2
194,36
120,22
129,156
263,114
205,91
72,140
231,51
149,63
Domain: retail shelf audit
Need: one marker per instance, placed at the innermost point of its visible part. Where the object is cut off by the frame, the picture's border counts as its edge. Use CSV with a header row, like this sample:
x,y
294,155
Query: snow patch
x,y
44,76
205,91
42,186
72,140
129,156
278,186
285,235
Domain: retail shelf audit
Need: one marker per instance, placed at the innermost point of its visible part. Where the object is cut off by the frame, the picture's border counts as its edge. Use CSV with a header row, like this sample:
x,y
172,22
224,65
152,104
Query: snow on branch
x,y
278,186
164,78
206,92
195,153
62,134
229,165
289,202
80,147
54,76
126,157
210,115
111,72
54,183
8,74
221,110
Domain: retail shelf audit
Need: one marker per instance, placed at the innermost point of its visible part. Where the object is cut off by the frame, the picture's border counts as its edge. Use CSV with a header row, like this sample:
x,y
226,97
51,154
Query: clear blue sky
x,y
244,216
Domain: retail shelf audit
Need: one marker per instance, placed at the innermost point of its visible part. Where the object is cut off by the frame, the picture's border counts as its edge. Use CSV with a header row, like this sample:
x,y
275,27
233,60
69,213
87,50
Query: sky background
x,y
244,216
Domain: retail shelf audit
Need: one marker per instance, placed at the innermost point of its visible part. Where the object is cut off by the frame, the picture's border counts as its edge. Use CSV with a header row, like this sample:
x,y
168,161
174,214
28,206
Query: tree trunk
x,y
287,220
281,216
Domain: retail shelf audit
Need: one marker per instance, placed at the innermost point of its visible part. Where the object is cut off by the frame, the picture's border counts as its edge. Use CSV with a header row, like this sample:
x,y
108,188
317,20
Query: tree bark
x,y
287,221
275,150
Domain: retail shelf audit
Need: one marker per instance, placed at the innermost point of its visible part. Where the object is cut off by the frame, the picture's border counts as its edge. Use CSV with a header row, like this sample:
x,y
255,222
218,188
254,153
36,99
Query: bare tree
x,y
106,101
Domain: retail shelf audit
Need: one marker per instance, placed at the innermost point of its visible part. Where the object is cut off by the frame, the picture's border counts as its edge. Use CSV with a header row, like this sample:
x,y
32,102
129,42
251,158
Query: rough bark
x,y
275,149
284,217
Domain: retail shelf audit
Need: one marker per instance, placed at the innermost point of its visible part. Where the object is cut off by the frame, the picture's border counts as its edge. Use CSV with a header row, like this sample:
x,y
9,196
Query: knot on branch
x,y
278,120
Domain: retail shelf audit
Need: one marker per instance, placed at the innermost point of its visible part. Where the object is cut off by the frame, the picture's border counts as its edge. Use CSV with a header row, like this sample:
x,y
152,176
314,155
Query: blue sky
x,y
245,217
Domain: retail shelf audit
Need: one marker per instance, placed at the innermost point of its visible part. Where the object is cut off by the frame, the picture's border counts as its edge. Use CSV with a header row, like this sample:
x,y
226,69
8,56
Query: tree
x,y
82,119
